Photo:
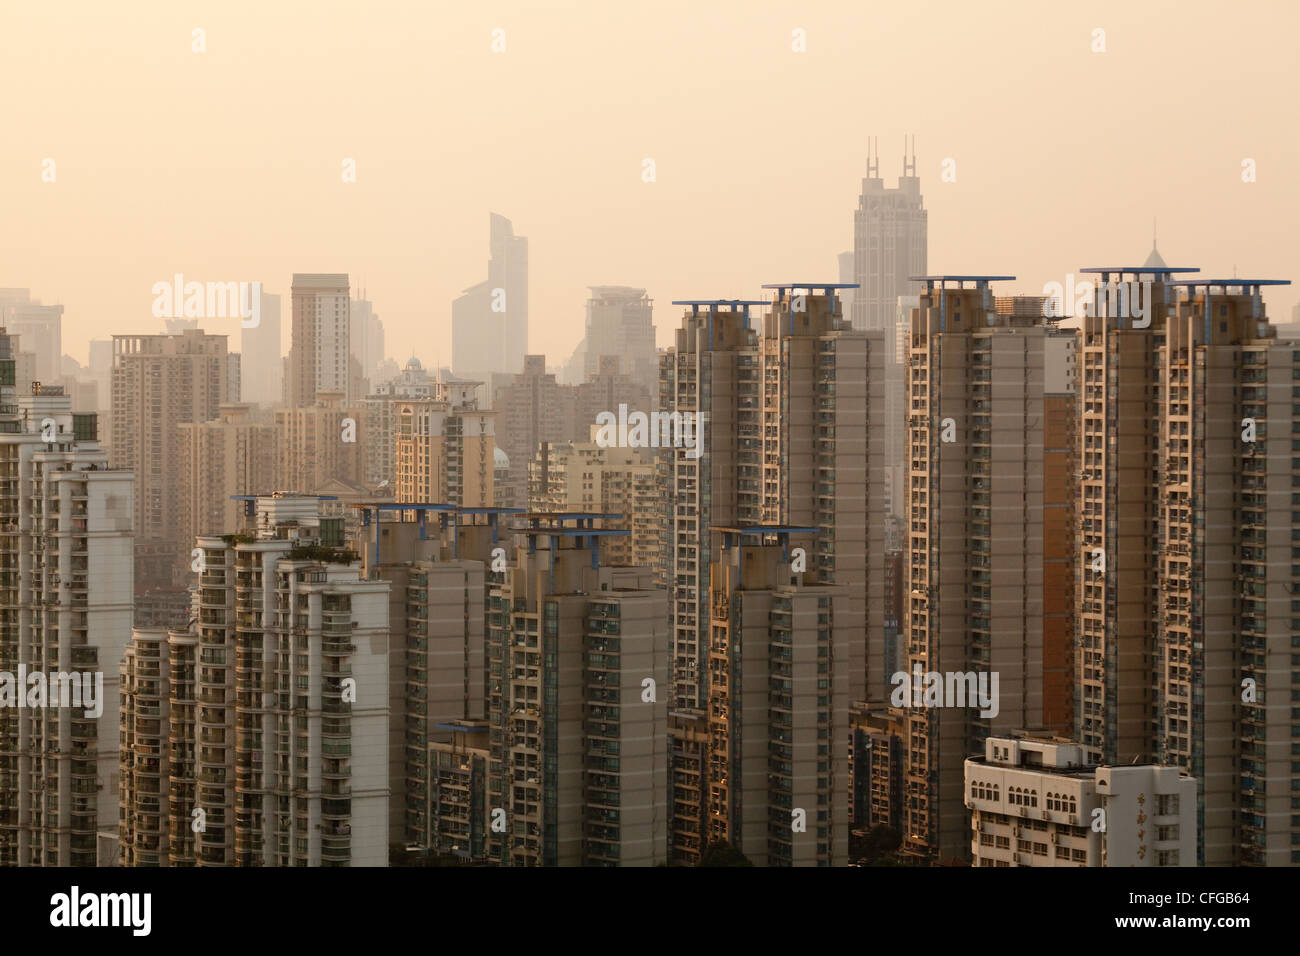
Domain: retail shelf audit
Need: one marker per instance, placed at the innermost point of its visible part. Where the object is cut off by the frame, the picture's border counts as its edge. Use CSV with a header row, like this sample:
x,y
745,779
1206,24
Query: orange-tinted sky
x,y
225,165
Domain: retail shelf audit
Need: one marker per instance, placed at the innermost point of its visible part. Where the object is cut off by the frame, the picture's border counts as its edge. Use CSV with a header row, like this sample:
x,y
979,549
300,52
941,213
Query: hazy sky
x,y
226,165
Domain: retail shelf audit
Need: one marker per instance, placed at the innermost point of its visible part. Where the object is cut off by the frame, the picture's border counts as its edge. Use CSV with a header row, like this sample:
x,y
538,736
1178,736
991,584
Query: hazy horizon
x,y
225,165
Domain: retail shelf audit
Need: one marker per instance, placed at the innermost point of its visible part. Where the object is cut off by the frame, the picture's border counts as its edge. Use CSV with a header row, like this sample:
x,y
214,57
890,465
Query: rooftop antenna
x,y
873,168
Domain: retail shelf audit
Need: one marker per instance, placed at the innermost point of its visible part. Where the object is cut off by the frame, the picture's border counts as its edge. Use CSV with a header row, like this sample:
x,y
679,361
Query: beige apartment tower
x,y
65,598
781,665
158,383
268,725
320,356
445,448
1225,670
232,455
974,545
578,662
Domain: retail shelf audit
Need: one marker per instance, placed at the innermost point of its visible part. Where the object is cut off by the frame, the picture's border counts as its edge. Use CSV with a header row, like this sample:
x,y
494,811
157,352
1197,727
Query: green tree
x,y
722,853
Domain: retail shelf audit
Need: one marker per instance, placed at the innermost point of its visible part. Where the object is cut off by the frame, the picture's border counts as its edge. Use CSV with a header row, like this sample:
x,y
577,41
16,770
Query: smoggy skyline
x,y
225,165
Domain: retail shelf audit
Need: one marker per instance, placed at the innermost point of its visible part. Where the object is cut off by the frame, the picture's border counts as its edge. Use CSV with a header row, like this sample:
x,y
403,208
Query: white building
x,y
320,356
66,586
1035,802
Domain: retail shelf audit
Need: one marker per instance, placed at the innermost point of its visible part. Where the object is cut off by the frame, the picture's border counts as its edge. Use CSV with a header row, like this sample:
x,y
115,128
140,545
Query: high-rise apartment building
x,y
974,548
587,477
65,598
261,357
781,668
712,374
605,390
160,382
379,419
263,738
489,322
438,668
578,664
1119,486
319,442
320,356
1035,801
445,448
791,433
1227,519
233,455
532,409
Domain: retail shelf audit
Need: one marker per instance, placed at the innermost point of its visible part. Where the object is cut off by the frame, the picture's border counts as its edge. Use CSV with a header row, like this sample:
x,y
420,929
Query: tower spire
x,y
873,168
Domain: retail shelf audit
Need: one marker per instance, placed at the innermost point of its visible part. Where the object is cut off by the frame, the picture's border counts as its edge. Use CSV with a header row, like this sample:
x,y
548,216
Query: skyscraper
x,y
367,345
261,356
620,323
490,320
890,229
320,357
41,329
890,242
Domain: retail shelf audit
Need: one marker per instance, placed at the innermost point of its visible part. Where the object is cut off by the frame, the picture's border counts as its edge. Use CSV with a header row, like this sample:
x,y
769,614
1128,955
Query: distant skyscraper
x,y
367,336
890,236
889,245
490,320
847,277
40,328
619,323
320,357
261,358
